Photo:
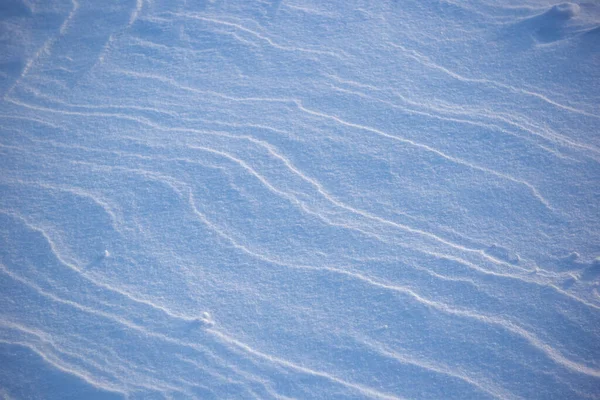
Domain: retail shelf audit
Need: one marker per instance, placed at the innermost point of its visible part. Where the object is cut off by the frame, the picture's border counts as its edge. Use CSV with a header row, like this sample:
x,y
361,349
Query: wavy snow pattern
x,y
299,199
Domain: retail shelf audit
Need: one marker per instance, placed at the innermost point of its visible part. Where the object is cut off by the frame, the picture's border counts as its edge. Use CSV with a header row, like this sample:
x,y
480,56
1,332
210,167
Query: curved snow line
x,y
86,276
302,205
169,181
46,47
455,160
362,213
426,61
58,364
98,313
438,114
509,119
549,351
140,329
305,370
453,372
255,34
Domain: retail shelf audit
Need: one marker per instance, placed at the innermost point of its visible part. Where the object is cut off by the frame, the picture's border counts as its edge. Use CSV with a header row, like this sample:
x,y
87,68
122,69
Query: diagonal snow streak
x,y
46,49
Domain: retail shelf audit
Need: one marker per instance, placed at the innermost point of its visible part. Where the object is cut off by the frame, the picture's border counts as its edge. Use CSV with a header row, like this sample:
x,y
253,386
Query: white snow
x,y
299,199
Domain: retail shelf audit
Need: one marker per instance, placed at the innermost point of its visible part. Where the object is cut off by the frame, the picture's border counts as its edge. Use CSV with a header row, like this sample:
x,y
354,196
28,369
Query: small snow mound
x,y
204,320
556,23
572,257
207,318
570,261
502,254
565,10
590,271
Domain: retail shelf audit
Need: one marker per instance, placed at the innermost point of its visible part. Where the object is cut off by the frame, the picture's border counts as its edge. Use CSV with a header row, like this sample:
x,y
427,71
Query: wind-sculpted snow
x,y
299,199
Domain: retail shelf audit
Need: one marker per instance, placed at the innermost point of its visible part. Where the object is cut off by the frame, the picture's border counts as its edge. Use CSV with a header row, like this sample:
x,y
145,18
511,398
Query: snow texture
x,y
237,199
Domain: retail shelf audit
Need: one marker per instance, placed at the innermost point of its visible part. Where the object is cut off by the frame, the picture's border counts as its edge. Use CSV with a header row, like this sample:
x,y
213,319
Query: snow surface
x,y
237,199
